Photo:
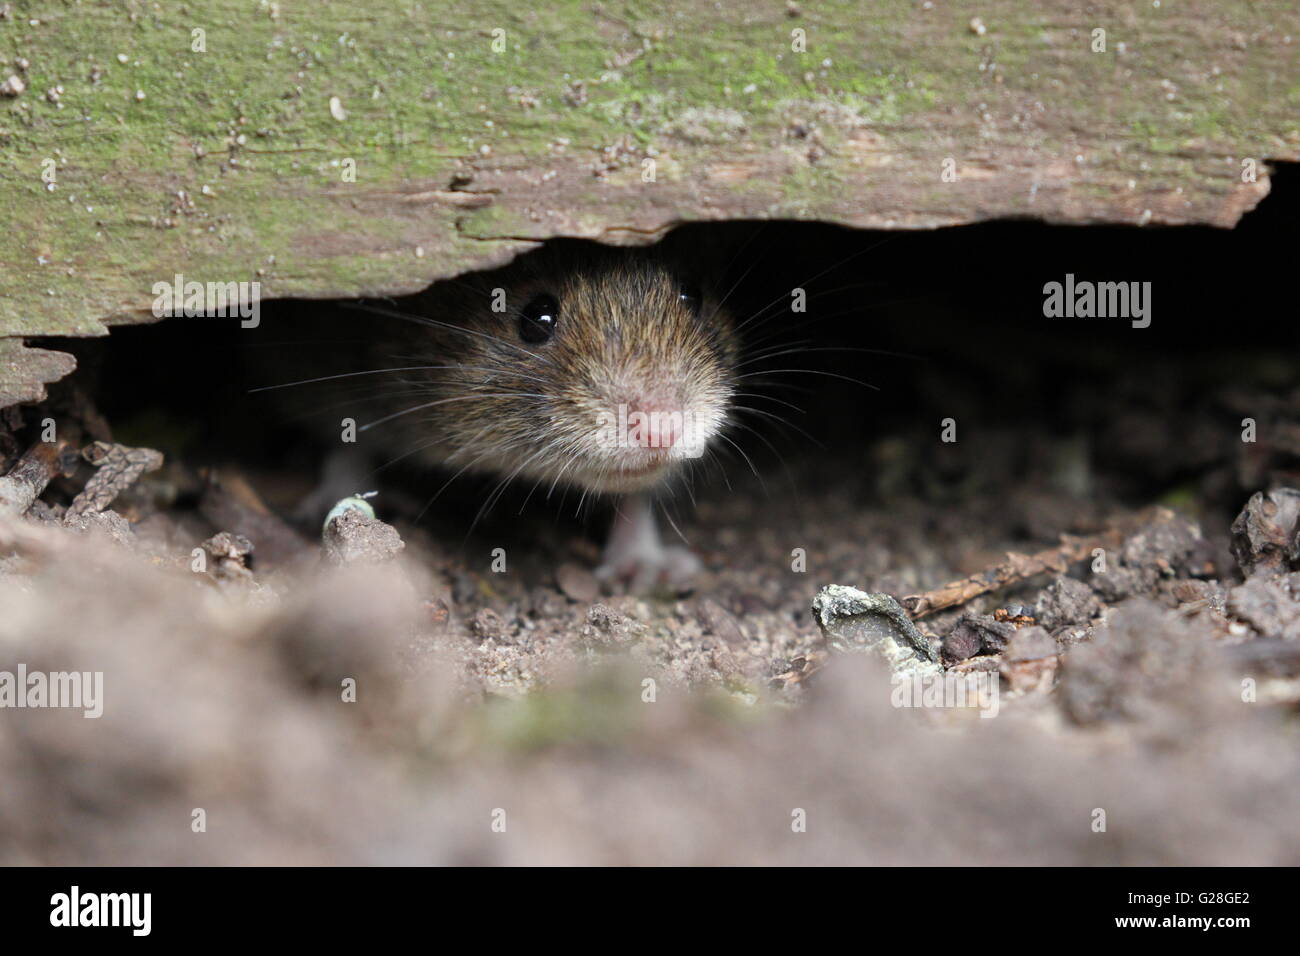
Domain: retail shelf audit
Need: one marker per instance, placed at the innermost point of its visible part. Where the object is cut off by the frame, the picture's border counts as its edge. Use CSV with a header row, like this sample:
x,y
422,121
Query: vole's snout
x,y
647,428
655,419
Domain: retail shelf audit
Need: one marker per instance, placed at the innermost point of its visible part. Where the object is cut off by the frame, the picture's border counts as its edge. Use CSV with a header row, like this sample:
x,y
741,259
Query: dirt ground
x,y
382,695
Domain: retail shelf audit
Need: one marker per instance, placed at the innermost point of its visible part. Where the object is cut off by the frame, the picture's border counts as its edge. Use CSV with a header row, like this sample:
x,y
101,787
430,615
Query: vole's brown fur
x,y
452,378
474,395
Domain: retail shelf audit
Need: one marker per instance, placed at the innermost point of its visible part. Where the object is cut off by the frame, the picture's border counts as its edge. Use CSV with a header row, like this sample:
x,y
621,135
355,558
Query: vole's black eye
x,y
691,297
537,321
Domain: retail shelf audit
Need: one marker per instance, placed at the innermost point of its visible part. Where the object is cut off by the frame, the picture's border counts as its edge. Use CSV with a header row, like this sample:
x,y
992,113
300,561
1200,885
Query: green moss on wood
x,y
229,166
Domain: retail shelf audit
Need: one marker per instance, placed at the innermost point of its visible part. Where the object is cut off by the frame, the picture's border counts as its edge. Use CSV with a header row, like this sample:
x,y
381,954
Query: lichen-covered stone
x,y
855,621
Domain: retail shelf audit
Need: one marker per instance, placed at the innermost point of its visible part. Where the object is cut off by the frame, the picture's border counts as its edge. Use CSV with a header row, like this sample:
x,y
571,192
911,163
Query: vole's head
x,y
605,369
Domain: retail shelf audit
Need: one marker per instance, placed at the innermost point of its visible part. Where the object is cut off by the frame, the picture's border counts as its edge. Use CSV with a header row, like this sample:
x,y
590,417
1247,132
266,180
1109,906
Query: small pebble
x,y
577,583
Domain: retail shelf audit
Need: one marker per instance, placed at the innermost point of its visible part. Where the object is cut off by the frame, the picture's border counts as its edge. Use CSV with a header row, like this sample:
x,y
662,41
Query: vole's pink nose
x,y
654,421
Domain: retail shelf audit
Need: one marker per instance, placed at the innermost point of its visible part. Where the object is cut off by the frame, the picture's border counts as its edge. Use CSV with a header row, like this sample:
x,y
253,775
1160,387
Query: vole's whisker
x,y
776,353
446,484
585,491
847,259
392,371
760,381
712,458
689,485
568,463
748,461
769,398
501,487
778,418
673,524
451,327
723,301
810,371
351,401
785,465
419,448
812,295
807,323
447,401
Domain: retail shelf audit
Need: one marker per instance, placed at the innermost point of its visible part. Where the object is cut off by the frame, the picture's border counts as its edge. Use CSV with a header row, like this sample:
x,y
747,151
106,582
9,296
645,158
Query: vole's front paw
x,y
651,567
635,553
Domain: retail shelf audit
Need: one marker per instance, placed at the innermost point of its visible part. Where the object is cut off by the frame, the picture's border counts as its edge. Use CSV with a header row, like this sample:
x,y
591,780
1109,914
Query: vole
x,y
605,369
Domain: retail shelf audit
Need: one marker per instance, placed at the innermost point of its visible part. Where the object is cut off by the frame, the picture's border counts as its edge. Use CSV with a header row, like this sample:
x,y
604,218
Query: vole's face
x,y
609,373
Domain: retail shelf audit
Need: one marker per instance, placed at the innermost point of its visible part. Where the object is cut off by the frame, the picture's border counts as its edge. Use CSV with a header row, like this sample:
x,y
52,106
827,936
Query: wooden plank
x,y
228,164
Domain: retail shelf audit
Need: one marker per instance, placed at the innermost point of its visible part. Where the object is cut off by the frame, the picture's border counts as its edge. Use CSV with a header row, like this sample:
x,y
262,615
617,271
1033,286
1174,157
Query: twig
x,y
1017,567
24,483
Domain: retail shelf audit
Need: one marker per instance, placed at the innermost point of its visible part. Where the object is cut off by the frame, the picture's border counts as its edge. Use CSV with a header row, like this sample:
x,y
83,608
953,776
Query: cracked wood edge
x,y
737,125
